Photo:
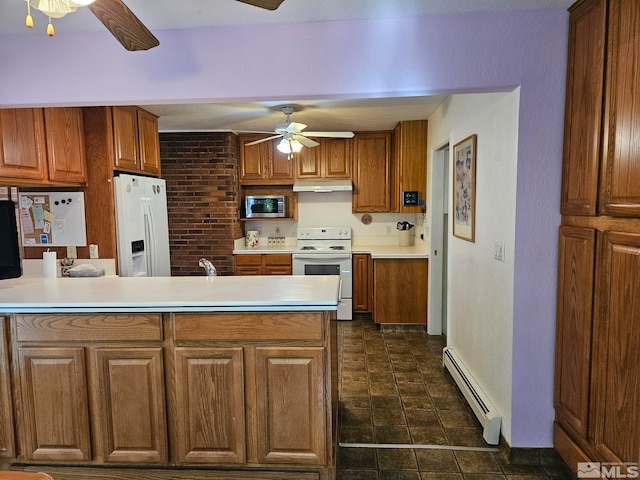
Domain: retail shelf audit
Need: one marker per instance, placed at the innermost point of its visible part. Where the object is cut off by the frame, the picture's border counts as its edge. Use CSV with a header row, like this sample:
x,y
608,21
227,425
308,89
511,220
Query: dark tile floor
x,y
394,390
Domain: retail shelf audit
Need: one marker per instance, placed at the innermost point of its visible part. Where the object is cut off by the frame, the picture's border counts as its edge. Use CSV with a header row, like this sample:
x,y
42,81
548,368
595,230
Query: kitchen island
x,y
166,378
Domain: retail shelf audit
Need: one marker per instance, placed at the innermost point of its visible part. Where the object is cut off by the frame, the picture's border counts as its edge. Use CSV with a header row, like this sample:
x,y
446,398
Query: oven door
x,y
323,264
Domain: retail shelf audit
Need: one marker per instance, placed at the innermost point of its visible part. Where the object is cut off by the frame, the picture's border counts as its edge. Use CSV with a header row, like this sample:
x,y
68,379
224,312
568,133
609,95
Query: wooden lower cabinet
x,y
400,290
263,264
210,405
55,409
597,346
7,442
362,282
130,419
290,405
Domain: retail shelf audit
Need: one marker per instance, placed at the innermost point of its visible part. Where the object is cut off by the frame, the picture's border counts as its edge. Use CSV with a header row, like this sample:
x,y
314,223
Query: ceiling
x,y
356,114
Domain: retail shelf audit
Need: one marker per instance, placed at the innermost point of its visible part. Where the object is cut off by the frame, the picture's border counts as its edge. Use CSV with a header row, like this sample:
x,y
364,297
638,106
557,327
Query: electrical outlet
x,y
388,229
278,230
72,252
498,251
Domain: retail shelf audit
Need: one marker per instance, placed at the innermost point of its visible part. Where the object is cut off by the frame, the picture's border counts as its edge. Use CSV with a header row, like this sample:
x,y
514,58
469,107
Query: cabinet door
x,y
210,405
23,153
281,167
308,162
620,188
583,108
576,270
7,448
149,143
290,405
361,292
616,349
130,418
55,412
65,145
400,290
410,163
253,159
371,153
125,133
336,157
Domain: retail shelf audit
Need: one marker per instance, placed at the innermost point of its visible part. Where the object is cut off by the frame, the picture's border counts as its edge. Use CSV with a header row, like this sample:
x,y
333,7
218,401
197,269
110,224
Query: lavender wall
x,y
439,54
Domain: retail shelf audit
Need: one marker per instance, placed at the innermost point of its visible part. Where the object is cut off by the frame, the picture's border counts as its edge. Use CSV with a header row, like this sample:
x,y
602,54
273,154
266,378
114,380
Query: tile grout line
x,y
417,446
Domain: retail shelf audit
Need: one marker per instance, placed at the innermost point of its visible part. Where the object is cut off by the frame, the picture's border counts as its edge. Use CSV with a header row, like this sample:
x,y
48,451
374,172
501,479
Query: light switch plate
x,y
72,252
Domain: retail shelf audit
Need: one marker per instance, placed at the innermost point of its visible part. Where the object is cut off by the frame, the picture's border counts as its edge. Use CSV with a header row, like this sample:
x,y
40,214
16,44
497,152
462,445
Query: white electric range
x,y
327,251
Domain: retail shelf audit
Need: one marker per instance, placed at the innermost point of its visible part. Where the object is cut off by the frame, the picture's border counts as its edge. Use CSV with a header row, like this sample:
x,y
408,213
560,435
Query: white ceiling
x,y
361,114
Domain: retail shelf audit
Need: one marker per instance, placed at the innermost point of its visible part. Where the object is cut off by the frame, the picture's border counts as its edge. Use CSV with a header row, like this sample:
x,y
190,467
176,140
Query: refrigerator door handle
x,y
152,248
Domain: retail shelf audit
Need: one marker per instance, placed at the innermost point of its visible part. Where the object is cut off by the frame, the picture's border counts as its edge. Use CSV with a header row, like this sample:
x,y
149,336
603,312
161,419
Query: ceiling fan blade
x,y
124,25
268,4
329,134
255,142
307,142
295,127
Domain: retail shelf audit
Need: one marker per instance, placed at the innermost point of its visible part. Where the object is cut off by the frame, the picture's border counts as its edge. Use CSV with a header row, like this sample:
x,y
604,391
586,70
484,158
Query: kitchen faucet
x,y
208,267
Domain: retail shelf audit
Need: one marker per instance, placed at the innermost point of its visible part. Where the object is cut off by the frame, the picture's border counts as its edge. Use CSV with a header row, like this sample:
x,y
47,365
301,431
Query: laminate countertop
x,y
111,294
376,251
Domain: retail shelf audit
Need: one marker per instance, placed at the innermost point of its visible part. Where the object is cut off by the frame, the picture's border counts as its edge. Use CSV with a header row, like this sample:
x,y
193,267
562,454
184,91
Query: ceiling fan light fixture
x,y
289,146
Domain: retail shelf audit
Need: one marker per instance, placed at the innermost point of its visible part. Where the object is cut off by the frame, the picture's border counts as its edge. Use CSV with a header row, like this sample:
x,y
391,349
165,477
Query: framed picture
x,y
464,189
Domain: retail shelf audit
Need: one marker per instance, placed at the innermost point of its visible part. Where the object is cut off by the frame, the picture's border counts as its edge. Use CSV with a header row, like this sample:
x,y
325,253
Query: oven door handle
x,y
321,257
340,292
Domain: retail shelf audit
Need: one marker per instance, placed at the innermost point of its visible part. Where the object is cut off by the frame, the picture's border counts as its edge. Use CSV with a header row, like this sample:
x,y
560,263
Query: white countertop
x,y
420,250
169,294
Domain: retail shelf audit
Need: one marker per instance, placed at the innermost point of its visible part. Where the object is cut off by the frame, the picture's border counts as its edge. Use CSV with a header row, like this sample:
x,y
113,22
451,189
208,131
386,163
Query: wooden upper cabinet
x,y
149,143
23,152
576,270
371,172
410,163
620,184
330,159
263,164
65,145
583,108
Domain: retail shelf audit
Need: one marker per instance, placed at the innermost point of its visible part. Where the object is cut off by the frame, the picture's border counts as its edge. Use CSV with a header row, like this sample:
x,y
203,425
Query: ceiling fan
x,y
116,17
293,136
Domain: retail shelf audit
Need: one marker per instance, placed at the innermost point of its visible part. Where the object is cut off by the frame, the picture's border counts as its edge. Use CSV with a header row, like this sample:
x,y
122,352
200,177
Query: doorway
x,y
438,210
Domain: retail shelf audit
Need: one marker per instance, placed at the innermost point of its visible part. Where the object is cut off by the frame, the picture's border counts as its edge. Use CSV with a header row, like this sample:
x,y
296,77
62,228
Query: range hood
x,y
322,186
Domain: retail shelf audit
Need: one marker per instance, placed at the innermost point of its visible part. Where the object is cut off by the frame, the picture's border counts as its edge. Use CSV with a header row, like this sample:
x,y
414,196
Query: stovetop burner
x,y
337,247
308,247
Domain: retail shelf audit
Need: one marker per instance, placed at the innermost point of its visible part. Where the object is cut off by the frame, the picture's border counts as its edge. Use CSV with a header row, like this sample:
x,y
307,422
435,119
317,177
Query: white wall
x,y
481,289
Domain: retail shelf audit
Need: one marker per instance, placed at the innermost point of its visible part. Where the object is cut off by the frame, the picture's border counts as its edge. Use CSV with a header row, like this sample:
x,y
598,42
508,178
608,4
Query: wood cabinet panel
x,y
621,151
583,108
55,413
263,264
262,163
330,159
371,172
309,163
290,408
576,269
257,326
23,152
88,327
410,163
149,143
7,441
400,290
125,136
210,405
616,349
65,145
281,168
362,273
131,419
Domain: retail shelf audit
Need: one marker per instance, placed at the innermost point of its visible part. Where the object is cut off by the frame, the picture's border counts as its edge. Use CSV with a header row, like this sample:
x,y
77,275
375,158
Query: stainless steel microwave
x,y
265,206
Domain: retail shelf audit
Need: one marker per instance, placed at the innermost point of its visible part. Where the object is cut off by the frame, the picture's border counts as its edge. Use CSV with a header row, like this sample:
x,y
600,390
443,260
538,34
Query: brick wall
x,y
201,170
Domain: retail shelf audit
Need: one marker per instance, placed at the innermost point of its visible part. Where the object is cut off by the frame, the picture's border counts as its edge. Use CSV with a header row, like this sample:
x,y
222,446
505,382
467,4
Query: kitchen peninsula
x,y
169,377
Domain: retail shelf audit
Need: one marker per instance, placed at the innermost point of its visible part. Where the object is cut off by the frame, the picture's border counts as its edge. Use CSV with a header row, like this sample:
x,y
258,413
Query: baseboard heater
x,y
477,399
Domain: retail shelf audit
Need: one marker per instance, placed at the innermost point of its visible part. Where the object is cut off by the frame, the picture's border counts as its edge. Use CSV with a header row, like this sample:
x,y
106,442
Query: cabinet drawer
x,y
249,259
249,326
277,259
71,328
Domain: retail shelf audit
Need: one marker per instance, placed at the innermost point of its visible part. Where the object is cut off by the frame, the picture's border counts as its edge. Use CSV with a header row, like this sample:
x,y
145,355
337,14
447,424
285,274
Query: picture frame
x,y
464,188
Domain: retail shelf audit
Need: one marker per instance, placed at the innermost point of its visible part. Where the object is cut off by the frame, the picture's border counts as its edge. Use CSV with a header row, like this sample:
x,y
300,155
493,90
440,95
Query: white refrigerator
x,y
142,226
